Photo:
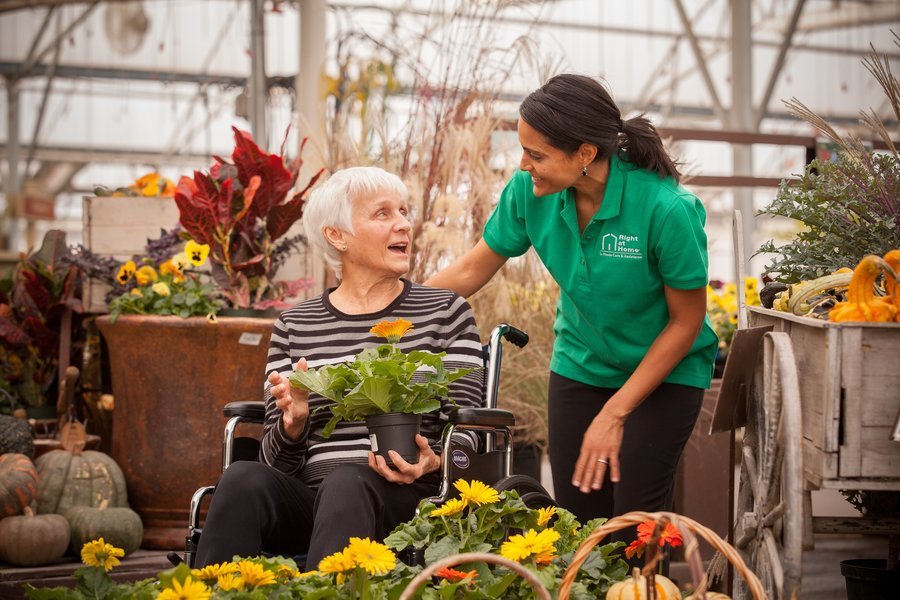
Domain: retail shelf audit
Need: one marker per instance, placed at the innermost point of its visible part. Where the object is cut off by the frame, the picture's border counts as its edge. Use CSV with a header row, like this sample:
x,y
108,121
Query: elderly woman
x,y
309,494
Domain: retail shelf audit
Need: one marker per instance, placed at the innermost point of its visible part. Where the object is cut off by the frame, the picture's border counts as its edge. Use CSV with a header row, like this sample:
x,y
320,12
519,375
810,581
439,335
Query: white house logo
x,y
620,246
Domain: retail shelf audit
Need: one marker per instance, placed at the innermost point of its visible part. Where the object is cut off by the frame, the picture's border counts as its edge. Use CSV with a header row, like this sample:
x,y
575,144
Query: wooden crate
x,y
120,227
850,396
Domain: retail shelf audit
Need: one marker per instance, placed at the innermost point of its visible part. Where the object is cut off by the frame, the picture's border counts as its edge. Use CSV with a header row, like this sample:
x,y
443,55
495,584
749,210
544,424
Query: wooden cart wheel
x,y
769,517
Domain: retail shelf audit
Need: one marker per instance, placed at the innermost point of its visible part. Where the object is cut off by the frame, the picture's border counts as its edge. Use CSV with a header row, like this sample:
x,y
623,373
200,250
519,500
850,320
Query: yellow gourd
x,y
635,588
861,304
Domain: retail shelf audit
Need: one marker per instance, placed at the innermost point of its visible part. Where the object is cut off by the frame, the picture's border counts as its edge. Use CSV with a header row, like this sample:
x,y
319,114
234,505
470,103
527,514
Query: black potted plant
x,y
378,387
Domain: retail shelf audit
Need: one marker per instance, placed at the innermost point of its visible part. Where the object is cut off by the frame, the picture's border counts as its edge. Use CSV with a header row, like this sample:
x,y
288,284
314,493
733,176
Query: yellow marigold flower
x,y
136,292
213,572
100,554
392,330
230,581
161,288
375,558
449,508
254,574
196,253
532,543
180,261
545,514
145,275
189,590
476,492
126,272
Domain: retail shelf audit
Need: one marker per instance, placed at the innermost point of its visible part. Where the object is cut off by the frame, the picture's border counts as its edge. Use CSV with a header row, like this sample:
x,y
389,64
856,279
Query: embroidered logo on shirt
x,y
616,245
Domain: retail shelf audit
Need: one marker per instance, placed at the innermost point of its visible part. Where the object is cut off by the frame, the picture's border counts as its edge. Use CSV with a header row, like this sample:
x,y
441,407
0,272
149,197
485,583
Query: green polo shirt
x,y
647,233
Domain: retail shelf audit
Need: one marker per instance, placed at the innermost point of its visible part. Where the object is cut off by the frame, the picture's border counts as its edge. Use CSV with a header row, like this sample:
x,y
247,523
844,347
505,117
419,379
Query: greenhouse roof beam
x,y
779,62
107,155
80,72
701,62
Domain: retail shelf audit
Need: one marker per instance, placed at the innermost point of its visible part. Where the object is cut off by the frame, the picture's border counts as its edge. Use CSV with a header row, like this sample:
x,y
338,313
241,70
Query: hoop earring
x,y
584,171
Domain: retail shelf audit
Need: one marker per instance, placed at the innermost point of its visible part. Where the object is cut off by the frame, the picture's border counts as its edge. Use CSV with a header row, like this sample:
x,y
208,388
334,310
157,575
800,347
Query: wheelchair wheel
x,y
530,491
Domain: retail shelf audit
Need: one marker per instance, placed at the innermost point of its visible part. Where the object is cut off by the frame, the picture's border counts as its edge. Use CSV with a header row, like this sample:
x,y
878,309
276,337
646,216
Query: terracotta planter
x,y
170,378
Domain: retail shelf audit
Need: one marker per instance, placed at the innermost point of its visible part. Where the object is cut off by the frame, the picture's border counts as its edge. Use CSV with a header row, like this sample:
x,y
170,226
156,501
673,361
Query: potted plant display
x,y
386,387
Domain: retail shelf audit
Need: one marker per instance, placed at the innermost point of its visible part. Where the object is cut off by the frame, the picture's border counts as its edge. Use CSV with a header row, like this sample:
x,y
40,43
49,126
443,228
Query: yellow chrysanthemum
x,y
126,272
449,508
392,330
145,275
161,288
100,554
338,562
532,543
254,574
189,590
213,572
230,581
375,558
476,492
545,514
196,253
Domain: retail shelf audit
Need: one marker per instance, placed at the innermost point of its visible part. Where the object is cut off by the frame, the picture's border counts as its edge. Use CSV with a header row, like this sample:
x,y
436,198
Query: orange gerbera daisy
x,y
392,330
454,576
670,534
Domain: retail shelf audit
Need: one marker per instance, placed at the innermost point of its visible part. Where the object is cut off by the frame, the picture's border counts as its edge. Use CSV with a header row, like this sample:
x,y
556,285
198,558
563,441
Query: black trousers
x,y
655,435
257,508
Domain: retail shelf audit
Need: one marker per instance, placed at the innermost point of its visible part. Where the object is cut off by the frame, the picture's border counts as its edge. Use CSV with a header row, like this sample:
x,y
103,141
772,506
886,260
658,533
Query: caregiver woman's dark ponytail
x,y
570,110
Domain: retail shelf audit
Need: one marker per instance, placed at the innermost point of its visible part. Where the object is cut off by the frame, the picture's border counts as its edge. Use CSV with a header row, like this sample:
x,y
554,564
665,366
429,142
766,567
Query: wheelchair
x,y
491,462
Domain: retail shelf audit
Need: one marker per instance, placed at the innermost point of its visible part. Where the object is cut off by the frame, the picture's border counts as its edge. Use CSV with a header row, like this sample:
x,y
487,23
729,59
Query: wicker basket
x,y
688,529
471,557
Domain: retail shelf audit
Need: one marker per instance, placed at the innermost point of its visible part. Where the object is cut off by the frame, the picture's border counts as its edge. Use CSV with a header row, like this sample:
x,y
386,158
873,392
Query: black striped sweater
x,y
316,330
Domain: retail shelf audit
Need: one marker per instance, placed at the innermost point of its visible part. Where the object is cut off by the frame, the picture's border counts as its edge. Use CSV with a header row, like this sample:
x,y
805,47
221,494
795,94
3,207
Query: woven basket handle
x,y
686,526
470,557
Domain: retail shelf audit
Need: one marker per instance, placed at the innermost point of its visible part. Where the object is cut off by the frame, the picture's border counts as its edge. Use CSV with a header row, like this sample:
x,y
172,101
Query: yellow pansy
x,y
145,275
136,292
126,272
170,268
196,253
161,288
180,261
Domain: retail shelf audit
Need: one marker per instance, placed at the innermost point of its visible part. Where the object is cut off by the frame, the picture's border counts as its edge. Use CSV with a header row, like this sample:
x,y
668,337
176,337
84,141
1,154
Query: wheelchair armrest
x,y
485,417
248,410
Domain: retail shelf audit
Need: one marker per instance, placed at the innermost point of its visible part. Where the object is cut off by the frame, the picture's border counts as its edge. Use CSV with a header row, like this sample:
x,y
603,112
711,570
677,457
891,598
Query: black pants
x,y
655,435
258,508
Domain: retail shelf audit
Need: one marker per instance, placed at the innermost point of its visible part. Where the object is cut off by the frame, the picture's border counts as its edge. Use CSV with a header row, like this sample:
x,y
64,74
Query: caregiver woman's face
x,y
552,170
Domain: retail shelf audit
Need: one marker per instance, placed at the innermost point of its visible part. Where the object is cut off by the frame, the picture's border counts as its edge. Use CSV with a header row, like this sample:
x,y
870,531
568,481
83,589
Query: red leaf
x,y
45,339
249,197
282,217
12,334
248,263
223,205
275,179
37,290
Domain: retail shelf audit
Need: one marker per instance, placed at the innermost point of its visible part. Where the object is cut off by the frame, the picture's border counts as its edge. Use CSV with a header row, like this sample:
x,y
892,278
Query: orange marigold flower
x,y
392,330
454,576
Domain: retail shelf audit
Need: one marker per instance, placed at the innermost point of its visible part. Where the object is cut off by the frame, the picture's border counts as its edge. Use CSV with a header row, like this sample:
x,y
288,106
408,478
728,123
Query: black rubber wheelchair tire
x,y
529,489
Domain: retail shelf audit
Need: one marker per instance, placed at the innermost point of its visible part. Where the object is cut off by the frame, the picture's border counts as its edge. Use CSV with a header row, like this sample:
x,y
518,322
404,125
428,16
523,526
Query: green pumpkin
x,y
120,527
18,483
33,540
80,478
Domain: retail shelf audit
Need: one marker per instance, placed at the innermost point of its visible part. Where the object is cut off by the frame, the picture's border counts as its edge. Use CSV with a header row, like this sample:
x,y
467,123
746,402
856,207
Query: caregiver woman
x,y
599,200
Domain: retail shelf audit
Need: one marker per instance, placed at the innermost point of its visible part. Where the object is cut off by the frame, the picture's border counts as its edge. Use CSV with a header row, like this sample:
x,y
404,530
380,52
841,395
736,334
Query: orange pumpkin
x,y
18,483
635,588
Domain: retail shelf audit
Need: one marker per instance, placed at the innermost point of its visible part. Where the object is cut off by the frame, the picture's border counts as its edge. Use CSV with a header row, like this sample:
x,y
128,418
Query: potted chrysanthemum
x,y
386,387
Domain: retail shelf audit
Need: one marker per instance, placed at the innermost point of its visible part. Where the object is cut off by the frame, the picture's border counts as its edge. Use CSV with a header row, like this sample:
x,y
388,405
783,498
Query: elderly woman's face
x,y
381,235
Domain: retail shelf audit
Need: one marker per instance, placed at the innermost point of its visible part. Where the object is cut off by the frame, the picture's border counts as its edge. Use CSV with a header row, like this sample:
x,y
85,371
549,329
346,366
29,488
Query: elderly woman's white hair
x,y
331,205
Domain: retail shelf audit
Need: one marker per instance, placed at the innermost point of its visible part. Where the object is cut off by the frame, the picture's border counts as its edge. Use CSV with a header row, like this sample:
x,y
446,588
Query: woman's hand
x,y
407,473
294,402
599,452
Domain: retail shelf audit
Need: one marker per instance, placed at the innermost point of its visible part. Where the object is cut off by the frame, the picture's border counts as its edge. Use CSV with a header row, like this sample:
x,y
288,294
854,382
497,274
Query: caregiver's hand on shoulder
x,y
294,402
599,452
407,473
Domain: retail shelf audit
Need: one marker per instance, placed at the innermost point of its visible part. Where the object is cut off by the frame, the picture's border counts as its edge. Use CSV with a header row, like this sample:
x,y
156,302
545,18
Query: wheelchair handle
x,y
495,350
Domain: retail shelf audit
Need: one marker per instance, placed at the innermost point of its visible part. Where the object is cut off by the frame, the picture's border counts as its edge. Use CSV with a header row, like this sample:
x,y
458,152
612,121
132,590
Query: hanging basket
x,y
689,529
471,557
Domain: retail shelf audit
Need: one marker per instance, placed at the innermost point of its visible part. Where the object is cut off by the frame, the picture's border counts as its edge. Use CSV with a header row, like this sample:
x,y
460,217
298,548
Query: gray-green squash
x,y
121,527
78,478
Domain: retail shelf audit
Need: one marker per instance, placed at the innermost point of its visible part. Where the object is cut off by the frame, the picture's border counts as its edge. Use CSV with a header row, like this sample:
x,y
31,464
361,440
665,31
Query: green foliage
x,y
849,208
380,380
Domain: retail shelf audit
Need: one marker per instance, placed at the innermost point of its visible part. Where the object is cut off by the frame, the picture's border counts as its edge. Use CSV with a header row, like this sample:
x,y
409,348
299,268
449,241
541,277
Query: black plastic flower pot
x,y
869,579
397,432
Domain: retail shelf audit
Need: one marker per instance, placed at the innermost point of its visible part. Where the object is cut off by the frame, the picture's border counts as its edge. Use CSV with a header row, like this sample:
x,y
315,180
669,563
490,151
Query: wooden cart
x,y
820,413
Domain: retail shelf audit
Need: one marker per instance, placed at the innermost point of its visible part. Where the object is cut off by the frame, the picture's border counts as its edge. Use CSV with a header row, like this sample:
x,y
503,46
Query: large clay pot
x,y
170,378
